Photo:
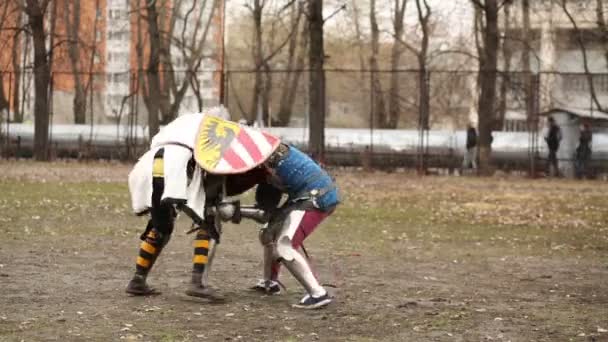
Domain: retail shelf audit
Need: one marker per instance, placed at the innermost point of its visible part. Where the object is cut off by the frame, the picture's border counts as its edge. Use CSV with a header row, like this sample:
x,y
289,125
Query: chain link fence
x,y
386,118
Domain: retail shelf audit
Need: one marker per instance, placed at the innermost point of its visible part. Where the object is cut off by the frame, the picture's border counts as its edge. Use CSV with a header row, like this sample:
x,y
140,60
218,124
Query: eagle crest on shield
x,y
225,147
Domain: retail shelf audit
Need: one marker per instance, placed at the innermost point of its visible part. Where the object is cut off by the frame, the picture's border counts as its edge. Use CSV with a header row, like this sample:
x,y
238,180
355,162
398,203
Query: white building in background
x,y
118,57
557,57
108,36
196,26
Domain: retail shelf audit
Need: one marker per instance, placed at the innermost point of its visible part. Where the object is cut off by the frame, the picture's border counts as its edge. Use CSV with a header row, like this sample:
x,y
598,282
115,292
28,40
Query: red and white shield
x,y
225,147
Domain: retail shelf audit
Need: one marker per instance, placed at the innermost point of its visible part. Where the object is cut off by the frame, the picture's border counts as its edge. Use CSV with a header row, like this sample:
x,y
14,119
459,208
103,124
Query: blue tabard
x,y
299,175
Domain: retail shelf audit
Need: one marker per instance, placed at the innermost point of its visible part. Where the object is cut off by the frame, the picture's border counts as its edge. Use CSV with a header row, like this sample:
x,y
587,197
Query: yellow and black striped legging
x,y
201,251
160,226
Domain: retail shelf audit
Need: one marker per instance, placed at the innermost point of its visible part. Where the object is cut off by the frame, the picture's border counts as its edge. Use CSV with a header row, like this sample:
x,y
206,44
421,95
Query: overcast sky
x,y
454,15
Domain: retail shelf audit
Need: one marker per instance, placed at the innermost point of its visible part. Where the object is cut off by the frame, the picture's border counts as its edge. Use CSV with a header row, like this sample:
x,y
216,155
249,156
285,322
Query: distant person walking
x,y
470,155
553,139
583,152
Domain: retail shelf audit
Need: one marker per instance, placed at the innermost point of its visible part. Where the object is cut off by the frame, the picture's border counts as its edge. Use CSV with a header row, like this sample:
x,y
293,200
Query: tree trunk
x,y
487,99
4,98
424,98
358,37
528,77
316,88
378,106
424,88
424,106
17,115
295,61
166,24
72,23
4,104
257,57
266,90
394,108
154,93
505,79
41,81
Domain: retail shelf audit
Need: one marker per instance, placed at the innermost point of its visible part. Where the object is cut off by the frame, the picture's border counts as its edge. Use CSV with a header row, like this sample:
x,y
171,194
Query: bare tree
x,y
505,79
15,55
316,88
360,44
258,57
378,105
488,61
358,34
394,108
11,29
263,82
4,101
164,87
265,49
295,63
72,14
35,11
153,98
91,79
421,53
191,47
527,72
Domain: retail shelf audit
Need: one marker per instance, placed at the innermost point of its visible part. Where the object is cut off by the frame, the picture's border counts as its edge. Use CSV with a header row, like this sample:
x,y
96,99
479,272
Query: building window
x,y
580,83
96,58
178,62
115,101
118,77
601,83
118,56
117,14
98,79
118,35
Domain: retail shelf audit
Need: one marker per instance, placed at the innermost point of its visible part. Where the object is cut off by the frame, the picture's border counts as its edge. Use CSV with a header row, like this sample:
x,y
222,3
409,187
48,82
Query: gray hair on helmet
x,y
218,111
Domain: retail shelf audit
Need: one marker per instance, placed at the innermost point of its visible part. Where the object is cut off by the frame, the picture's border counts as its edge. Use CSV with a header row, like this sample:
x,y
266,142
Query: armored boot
x,y
204,251
269,285
138,286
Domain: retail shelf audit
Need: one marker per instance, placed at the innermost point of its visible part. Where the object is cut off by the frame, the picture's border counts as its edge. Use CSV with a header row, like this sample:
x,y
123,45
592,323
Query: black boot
x,y
200,290
138,287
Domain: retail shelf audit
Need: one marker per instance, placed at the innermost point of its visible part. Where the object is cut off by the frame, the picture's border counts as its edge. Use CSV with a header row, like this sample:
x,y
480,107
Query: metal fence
x,y
373,118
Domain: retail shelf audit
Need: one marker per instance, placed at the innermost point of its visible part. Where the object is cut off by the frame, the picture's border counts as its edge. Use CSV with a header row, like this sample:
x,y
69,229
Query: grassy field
x,y
407,258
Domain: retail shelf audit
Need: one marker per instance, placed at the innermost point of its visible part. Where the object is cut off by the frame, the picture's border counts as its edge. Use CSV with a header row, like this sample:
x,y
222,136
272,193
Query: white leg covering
x,y
295,262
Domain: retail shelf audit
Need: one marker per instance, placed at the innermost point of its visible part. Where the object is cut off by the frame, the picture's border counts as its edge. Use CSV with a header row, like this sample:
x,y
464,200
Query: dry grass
x,y
418,259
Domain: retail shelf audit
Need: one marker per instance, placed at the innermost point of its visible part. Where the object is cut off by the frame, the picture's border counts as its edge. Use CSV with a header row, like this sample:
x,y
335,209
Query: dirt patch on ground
x,y
407,258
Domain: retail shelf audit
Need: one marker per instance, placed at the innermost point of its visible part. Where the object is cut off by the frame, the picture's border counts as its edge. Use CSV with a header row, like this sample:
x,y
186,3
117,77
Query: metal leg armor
x,y
269,261
295,262
211,256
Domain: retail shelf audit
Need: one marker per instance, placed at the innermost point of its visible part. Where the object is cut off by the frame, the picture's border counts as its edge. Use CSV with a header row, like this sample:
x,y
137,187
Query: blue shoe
x,y
310,302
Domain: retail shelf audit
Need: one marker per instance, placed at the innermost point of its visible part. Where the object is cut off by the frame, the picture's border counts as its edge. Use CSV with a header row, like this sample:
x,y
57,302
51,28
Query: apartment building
x,y
113,50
